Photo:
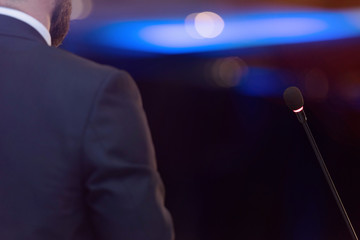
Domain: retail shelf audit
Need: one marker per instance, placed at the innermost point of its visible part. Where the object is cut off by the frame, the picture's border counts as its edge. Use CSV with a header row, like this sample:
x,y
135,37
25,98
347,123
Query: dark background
x,y
238,165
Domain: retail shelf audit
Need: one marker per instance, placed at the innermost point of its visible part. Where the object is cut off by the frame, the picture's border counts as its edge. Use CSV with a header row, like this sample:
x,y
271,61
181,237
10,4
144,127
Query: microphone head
x,y
293,98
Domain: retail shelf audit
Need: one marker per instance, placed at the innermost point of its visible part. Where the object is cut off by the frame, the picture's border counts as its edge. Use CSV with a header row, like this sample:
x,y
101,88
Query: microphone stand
x,y
303,120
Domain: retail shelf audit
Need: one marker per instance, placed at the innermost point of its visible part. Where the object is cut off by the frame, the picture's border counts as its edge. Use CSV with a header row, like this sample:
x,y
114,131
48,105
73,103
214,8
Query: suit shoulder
x,y
66,63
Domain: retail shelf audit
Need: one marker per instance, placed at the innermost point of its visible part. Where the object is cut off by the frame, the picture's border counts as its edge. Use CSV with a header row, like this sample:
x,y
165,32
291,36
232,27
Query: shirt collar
x,y
37,25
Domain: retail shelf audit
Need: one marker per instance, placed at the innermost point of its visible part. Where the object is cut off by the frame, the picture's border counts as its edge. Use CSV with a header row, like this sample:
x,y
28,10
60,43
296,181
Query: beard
x,y
60,21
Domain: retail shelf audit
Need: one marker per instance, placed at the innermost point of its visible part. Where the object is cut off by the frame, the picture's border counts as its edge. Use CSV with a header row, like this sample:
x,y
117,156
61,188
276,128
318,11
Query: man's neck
x,y
38,9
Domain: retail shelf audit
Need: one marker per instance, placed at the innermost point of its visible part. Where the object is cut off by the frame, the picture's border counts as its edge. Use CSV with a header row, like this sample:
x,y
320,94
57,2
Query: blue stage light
x,y
241,31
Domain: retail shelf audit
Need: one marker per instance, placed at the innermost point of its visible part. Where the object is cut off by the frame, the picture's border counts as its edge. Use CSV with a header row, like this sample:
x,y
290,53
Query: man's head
x,y
60,21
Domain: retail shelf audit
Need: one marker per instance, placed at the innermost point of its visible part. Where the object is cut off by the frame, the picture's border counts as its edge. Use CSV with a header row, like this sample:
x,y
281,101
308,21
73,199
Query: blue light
x,y
241,31
264,82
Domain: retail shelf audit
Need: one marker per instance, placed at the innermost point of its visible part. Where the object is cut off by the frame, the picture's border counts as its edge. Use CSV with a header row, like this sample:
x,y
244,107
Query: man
x,y
76,158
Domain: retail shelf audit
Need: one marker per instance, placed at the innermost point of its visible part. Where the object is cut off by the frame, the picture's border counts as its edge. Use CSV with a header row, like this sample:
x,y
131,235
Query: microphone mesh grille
x,y
293,98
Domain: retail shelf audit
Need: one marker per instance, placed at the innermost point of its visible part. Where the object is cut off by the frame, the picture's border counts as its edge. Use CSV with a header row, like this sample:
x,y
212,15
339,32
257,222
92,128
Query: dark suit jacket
x,y
76,157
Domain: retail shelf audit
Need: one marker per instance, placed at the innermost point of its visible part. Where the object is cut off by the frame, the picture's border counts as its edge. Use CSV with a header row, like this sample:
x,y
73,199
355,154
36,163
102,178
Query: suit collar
x,y
13,27
24,17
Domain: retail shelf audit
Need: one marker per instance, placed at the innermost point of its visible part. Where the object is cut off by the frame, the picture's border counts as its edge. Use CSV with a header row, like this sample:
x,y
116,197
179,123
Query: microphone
x,y
295,101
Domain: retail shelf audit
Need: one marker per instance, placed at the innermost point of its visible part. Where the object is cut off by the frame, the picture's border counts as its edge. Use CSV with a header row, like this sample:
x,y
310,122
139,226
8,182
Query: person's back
x,y
76,159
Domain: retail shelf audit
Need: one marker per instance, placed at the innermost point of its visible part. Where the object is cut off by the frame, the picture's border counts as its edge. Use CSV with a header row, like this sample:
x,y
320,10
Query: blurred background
x,y
235,161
